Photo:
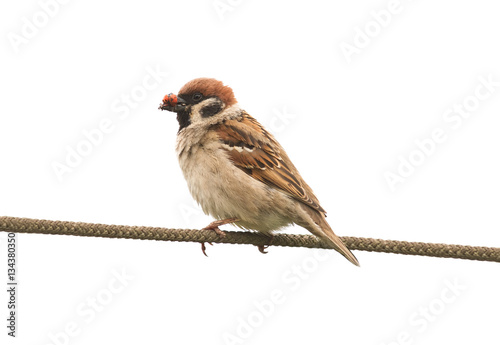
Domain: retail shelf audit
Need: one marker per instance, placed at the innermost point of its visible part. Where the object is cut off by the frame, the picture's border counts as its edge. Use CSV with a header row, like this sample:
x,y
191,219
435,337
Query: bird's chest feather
x,y
210,176
225,191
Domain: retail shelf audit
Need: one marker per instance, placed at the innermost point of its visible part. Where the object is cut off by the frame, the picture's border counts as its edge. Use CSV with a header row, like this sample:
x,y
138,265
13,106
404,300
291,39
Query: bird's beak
x,y
173,103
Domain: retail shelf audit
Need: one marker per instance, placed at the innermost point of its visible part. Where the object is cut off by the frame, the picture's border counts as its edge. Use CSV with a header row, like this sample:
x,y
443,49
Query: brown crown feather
x,y
210,87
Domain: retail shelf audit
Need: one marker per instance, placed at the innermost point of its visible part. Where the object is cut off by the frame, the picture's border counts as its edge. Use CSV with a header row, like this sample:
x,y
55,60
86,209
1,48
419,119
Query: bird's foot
x,y
204,248
263,247
215,227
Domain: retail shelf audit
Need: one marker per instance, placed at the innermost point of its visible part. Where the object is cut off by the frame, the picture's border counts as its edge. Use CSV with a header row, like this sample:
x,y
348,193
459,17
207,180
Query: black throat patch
x,y
183,118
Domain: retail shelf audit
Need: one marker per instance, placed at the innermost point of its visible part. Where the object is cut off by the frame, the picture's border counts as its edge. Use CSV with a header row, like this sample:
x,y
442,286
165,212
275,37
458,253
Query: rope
x,y
37,226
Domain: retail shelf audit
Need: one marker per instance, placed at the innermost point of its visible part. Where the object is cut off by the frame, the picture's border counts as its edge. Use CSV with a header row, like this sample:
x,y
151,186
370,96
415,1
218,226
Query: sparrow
x,y
237,171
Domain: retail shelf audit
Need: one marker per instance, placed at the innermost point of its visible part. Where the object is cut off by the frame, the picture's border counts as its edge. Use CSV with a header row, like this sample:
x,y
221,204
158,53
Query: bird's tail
x,y
326,233
337,243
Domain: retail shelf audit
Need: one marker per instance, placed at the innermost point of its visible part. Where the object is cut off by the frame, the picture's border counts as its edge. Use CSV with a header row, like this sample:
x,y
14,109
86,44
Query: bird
x,y
237,171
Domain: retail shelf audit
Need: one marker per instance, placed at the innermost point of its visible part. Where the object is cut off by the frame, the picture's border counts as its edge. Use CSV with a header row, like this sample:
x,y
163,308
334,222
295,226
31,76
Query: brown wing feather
x,y
255,151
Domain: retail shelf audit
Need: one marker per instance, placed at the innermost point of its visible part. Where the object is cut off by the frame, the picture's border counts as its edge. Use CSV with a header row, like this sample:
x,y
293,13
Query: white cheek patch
x,y
195,112
227,113
196,116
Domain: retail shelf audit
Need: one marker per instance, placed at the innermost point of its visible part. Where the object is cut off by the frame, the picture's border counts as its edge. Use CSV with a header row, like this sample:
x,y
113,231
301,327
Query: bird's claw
x,y
217,231
262,248
204,248
214,226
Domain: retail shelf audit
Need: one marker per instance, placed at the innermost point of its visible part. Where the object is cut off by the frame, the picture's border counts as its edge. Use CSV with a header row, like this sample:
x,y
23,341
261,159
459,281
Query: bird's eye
x,y
197,97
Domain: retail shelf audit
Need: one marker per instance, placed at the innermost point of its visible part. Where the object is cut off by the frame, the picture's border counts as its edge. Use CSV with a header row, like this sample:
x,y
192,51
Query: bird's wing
x,y
255,151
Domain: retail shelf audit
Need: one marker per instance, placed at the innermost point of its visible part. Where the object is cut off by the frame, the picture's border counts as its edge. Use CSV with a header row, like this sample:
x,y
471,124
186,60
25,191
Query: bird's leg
x,y
263,247
215,227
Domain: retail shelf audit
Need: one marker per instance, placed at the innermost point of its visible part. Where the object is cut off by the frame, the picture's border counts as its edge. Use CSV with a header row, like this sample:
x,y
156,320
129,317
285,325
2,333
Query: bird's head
x,y
198,100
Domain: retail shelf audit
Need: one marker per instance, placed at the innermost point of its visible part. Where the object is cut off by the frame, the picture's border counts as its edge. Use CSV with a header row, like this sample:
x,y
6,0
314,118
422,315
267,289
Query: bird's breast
x,y
225,191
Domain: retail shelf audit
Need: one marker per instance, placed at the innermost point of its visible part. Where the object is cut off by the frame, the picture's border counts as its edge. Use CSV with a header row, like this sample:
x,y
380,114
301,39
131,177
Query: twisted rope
x,y
38,226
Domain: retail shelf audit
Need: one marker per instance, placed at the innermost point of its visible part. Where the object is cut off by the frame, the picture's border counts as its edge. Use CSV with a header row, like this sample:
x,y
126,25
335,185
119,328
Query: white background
x,y
343,123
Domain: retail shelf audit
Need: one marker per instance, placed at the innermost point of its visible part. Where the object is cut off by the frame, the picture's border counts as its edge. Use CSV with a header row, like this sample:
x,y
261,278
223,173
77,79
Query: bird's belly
x,y
224,191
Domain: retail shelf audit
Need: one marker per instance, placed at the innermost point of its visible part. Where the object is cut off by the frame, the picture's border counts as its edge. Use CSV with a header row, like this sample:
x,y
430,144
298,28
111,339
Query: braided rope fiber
x,y
38,226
